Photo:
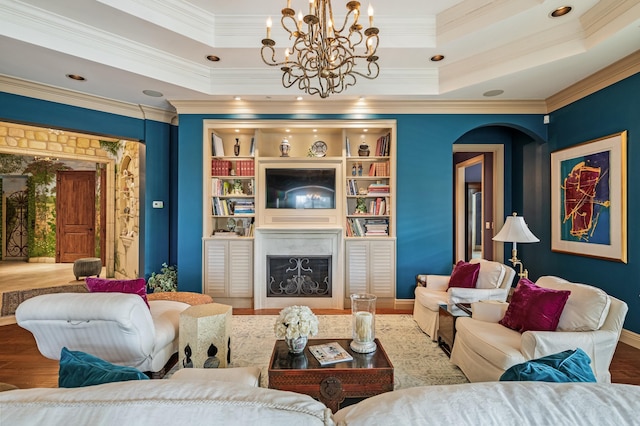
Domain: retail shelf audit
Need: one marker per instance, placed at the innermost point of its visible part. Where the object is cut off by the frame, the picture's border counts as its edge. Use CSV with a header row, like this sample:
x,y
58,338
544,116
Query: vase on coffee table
x,y
297,345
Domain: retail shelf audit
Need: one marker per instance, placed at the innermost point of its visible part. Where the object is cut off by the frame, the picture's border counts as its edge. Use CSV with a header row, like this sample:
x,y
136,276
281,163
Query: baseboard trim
x,y
403,304
630,338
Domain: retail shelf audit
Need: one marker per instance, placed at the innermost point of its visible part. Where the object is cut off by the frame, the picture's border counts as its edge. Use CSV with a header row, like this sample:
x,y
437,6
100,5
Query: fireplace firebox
x,y
299,276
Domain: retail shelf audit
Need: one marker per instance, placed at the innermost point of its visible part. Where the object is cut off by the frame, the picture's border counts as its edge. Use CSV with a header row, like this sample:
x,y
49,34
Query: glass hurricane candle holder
x,y
363,317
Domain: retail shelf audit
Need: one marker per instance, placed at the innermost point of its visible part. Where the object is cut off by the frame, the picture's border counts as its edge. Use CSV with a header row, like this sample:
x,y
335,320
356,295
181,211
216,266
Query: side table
x,y
202,326
447,316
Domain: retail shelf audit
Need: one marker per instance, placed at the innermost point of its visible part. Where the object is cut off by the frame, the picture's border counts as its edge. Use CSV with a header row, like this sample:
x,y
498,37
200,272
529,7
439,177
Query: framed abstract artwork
x,y
589,198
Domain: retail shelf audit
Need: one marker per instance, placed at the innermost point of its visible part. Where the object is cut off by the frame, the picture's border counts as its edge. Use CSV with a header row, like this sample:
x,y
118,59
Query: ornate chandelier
x,y
323,58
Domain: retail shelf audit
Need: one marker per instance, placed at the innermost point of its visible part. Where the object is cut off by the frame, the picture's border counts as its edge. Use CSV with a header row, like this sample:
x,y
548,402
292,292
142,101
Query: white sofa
x,y
591,320
196,402
116,327
494,282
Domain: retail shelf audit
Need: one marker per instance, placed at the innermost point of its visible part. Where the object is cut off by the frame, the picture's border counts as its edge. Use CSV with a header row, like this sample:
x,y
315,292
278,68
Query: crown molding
x,y
181,17
468,16
42,28
614,73
358,109
68,97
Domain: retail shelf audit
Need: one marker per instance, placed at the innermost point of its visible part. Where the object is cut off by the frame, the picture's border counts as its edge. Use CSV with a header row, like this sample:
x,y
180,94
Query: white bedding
x,y
500,403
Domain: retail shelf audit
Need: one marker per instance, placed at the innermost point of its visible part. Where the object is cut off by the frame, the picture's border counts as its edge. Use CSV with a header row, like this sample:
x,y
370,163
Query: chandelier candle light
x,y
323,58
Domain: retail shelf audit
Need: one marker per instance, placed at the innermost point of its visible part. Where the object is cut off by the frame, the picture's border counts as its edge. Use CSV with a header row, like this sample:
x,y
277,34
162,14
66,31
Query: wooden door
x,y
76,215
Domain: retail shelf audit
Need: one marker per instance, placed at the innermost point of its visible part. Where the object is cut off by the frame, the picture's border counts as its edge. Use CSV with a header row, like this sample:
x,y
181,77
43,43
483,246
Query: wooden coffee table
x,y
366,375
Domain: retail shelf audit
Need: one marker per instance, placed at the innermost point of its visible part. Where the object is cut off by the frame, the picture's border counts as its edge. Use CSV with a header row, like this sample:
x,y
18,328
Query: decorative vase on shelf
x,y
297,345
363,151
236,148
285,147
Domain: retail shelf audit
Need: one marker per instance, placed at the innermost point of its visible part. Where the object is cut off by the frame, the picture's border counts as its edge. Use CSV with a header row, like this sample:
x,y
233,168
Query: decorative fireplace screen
x,y
298,276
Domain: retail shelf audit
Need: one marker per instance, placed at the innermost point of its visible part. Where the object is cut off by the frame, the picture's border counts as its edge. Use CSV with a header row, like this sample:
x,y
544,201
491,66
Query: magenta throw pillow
x,y
102,285
534,308
464,275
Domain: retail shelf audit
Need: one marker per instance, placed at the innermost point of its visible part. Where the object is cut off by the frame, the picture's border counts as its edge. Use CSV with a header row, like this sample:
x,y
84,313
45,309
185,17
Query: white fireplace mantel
x,y
299,242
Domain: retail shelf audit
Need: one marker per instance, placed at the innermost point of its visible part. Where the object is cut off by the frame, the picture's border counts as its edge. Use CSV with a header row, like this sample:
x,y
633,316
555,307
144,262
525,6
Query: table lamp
x,y
515,230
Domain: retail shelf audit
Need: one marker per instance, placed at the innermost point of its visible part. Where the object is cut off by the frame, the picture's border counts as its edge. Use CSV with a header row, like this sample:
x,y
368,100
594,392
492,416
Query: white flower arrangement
x,y
296,321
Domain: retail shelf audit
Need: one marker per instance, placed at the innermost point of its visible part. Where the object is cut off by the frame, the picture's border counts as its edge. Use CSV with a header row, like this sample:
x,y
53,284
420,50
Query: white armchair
x,y
116,327
591,320
494,282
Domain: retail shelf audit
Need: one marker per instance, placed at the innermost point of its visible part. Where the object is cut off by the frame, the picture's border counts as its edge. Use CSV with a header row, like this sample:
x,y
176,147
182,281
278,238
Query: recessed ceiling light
x,y
153,93
315,130
491,93
299,98
237,130
365,130
237,98
76,77
561,11
213,58
437,58
287,130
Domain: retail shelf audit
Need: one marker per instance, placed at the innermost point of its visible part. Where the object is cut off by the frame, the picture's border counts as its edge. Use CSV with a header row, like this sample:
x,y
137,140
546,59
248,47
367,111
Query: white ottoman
x,y
202,326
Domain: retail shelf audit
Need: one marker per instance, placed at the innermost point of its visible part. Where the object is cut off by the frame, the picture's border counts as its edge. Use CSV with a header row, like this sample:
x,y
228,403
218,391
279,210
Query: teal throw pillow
x,y
78,369
567,366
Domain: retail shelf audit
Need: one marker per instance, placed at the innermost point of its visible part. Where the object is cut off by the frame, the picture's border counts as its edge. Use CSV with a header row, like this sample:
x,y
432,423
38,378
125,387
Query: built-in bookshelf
x,y
232,183
368,185
241,198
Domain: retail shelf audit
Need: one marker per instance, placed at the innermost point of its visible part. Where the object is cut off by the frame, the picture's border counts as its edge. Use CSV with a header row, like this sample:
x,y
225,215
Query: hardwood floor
x,y
22,365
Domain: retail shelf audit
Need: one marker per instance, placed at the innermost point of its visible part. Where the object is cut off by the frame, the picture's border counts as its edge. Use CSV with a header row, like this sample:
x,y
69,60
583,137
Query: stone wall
x,y
33,138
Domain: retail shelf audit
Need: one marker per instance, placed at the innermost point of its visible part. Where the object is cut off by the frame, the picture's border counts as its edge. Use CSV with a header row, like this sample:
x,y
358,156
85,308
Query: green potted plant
x,y
166,280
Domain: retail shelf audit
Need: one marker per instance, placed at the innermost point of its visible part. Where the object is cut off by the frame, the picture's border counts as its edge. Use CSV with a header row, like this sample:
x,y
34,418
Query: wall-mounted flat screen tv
x,y
304,188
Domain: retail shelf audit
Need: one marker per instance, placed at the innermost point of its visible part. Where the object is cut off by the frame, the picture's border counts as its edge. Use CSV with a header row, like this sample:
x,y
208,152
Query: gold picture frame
x,y
589,198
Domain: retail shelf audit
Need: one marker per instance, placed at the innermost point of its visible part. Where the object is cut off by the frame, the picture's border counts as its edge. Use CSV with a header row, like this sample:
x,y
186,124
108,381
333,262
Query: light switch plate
x,y
158,204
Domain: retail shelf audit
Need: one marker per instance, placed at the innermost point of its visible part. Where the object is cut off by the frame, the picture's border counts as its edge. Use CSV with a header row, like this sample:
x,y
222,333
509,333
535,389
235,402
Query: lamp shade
x,y
515,230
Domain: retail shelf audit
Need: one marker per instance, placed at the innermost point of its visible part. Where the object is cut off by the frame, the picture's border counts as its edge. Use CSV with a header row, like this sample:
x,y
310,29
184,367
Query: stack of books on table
x,y
376,227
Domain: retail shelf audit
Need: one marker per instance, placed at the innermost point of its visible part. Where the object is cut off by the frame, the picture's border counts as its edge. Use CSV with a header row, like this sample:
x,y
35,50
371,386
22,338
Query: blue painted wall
x,y
159,181
611,110
424,192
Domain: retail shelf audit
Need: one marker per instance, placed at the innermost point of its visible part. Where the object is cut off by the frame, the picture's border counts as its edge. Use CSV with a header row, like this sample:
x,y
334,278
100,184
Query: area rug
x,y
417,361
11,299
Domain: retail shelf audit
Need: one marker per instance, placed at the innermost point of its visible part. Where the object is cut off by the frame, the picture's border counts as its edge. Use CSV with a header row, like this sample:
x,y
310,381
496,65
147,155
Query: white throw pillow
x,y
586,309
491,273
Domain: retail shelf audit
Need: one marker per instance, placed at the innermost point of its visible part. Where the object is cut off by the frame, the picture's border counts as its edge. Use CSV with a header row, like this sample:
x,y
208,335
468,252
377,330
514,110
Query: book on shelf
x,y
352,187
382,145
244,168
357,227
375,189
379,169
220,167
217,147
252,148
330,353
